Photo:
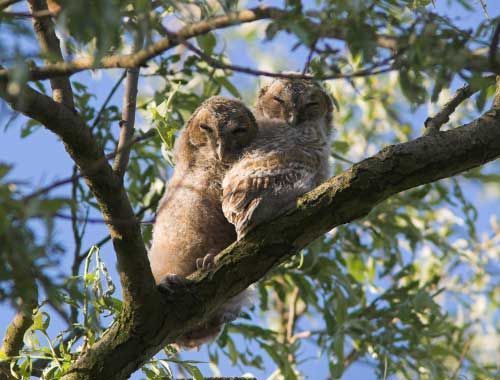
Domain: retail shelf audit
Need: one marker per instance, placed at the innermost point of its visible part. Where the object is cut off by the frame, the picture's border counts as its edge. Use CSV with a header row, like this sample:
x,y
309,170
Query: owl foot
x,y
171,282
206,263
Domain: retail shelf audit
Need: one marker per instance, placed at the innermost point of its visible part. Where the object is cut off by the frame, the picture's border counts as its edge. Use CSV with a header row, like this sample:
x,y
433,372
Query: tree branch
x,y
128,116
247,70
49,43
475,60
68,180
434,123
7,3
135,273
26,289
141,57
344,198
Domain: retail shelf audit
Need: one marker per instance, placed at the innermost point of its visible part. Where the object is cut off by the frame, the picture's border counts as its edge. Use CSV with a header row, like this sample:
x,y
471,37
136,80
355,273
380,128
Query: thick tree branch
x,y
344,198
135,273
474,60
49,43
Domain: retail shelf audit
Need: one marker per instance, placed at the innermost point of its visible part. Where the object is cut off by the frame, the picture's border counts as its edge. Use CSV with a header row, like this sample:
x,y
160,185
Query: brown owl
x,y
190,227
288,157
296,101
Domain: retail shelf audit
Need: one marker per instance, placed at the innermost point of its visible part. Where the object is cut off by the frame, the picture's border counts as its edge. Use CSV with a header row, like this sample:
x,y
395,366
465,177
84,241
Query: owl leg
x,y
206,262
171,282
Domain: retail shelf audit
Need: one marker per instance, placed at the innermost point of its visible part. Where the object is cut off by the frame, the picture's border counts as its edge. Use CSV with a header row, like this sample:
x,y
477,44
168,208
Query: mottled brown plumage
x,y
288,157
189,222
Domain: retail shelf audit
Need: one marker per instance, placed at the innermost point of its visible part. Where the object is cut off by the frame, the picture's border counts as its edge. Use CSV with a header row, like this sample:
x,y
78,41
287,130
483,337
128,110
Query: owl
x,y
288,158
299,101
190,227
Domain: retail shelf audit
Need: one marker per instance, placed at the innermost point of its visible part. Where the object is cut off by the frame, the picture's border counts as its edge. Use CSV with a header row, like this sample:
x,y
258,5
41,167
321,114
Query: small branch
x,y
307,64
13,339
25,287
140,58
128,116
292,315
7,3
49,44
98,220
433,124
39,14
77,237
492,56
462,358
246,70
68,180
107,100
475,60
351,357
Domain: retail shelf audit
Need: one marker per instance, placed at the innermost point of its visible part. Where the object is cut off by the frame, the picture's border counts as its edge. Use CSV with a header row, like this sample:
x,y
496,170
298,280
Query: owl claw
x,y
206,263
171,282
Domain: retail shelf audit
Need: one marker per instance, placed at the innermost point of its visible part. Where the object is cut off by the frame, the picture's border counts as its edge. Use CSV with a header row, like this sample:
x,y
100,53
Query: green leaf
x,y
207,42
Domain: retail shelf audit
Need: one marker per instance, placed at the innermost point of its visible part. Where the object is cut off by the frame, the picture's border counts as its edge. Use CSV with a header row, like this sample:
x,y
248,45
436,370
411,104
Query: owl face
x,y
223,126
294,101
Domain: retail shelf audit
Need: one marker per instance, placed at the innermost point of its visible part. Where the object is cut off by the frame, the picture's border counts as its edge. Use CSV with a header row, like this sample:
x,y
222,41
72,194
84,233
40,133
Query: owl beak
x,y
292,119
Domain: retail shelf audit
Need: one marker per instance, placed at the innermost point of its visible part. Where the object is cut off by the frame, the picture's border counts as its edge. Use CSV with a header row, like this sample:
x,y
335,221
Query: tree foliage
x,y
410,289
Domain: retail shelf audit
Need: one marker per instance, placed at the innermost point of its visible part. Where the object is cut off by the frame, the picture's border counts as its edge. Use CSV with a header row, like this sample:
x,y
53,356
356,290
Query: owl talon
x,y
171,282
206,263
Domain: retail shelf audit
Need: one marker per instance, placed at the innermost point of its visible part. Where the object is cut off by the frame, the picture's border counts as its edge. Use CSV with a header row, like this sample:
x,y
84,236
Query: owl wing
x,y
249,200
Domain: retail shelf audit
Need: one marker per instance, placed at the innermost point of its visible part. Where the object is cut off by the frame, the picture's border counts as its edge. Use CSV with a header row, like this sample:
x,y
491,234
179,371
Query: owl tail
x,y
210,330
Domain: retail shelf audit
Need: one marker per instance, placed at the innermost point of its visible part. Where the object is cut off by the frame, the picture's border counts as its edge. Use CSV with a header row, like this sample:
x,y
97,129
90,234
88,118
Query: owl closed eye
x,y
294,101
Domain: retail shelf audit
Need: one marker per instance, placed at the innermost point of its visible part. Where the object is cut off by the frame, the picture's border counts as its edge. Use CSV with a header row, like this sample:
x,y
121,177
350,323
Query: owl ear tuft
x,y
196,135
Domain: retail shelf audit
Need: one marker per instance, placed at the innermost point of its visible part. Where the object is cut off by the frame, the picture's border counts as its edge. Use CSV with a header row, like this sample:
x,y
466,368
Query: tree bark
x,y
344,198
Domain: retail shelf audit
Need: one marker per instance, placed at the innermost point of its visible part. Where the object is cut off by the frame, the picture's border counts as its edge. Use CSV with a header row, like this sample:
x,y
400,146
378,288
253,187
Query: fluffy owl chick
x,y
296,102
288,157
190,225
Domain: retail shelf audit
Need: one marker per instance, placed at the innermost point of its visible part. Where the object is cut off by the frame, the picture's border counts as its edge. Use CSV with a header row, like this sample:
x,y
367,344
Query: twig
x,y
139,214
97,220
7,3
141,57
68,180
492,56
128,115
77,237
309,57
246,70
39,14
462,358
49,44
26,288
434,123
292,315
107,100
351,357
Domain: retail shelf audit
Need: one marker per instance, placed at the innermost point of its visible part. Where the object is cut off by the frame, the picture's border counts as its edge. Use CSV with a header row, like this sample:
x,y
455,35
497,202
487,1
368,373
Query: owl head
x,y
294,101
223,126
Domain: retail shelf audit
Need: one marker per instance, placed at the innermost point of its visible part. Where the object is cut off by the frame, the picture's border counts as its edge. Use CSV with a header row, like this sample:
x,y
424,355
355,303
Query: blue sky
x,y
41,159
